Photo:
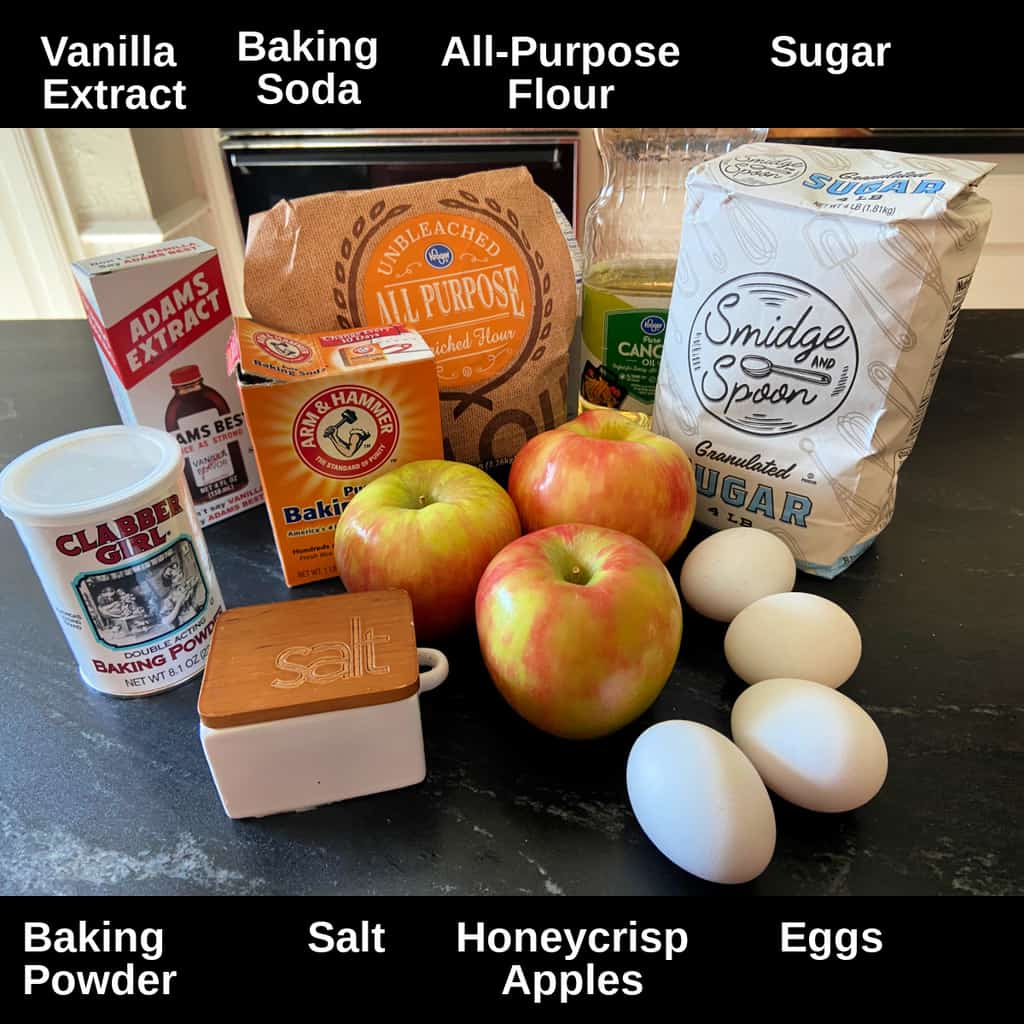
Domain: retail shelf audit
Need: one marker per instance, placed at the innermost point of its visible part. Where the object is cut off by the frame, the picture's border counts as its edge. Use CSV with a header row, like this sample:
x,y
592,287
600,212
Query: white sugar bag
x,y
815,298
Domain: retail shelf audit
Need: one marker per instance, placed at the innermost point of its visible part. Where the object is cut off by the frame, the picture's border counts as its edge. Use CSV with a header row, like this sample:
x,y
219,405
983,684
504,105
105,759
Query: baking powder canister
x,y
106,518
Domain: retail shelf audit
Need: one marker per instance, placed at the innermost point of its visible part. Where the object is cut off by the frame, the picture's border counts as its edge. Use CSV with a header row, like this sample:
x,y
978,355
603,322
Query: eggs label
x,y
826,943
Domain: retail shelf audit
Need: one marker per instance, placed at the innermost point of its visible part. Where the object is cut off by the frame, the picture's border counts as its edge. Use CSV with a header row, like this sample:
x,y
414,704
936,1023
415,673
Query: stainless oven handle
x,y
354,156
233,144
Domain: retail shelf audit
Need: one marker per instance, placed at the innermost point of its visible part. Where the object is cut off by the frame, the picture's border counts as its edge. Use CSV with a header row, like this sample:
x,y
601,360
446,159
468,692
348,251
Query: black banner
x,y
355,71
465,954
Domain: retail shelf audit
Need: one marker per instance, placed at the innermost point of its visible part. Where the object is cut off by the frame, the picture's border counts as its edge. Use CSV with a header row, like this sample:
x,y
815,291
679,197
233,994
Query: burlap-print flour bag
x,y
478,265
815,298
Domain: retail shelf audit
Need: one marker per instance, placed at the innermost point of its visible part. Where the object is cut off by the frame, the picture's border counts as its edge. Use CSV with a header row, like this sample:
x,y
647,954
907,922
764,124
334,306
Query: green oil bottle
x,y
625,312
631,243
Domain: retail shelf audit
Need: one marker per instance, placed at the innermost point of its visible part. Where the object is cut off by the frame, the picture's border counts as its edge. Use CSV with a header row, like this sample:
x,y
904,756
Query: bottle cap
x,y
186,375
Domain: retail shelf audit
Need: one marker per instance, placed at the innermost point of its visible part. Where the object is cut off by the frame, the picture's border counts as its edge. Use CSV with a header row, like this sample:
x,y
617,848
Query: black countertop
x,y
105,796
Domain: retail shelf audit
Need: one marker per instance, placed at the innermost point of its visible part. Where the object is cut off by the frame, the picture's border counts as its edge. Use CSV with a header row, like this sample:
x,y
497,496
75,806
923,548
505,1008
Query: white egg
x,y
793,636
812,745
732,569
701,802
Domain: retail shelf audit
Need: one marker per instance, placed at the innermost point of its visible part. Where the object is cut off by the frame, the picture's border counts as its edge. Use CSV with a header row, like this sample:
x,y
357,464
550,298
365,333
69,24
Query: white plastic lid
x,y
85,473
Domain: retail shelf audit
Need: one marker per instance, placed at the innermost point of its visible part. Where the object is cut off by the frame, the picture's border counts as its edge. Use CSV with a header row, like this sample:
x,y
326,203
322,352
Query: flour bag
x,y
815,297
482,266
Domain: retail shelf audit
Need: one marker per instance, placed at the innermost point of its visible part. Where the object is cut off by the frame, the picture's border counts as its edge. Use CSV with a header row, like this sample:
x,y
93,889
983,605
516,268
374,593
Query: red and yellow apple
x,y
579,627
603,469
429,528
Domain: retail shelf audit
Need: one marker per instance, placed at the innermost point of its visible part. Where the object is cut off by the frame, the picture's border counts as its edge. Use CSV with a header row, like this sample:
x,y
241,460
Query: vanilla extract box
x,y
329,412
160,318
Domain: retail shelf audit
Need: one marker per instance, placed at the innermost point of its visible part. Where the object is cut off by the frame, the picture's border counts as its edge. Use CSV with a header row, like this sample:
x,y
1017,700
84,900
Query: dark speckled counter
x,y
105,796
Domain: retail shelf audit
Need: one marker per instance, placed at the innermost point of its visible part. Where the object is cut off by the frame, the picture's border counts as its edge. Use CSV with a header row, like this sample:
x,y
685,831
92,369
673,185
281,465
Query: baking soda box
x,y
160,319
329,412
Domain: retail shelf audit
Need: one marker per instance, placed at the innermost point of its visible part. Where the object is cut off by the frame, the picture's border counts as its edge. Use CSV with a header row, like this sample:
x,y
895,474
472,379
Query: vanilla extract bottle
x,y
198,415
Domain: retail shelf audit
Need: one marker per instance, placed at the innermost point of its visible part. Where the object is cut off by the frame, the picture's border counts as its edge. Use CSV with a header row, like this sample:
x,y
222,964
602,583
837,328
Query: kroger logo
x,y
439,256
651,325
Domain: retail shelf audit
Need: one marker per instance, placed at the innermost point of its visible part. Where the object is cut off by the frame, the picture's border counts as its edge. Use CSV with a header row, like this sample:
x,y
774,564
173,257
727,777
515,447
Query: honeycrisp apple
x,y
429,528
603,469
579,628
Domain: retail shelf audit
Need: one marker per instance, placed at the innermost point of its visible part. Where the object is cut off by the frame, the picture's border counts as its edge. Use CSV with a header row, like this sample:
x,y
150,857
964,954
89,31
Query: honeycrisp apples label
x,y
801,353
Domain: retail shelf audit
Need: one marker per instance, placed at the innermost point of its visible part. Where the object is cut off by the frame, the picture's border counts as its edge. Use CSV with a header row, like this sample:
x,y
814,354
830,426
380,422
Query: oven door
x,y
265,170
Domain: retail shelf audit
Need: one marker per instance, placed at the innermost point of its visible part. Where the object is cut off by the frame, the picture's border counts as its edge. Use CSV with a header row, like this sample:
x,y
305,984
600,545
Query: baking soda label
x,y
355,405
286,349
346,431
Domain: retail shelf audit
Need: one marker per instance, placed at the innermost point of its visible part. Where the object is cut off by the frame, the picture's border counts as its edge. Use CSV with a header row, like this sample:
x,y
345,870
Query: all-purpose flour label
x,y
135,595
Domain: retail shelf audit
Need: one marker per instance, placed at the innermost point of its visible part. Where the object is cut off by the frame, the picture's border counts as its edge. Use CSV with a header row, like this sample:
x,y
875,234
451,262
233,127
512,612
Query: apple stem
x,y
576,570
423,500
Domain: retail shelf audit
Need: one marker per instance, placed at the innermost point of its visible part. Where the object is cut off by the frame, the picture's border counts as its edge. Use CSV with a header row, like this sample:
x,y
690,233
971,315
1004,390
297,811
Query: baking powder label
x,y
147,599
135,595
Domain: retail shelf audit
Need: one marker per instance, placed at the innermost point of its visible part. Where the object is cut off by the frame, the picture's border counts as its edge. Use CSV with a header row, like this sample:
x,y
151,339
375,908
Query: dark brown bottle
x,y
193,414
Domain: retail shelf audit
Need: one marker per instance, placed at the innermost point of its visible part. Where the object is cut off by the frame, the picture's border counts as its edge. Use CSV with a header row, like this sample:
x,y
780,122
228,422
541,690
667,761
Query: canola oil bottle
x,y
630,242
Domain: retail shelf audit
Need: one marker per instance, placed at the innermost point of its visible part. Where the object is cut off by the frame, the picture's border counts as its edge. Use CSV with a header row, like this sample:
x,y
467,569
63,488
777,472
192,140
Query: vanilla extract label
x,y
124,52
161,320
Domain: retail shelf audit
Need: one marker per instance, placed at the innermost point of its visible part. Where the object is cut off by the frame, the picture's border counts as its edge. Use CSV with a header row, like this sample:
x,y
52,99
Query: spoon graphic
x,y
759,366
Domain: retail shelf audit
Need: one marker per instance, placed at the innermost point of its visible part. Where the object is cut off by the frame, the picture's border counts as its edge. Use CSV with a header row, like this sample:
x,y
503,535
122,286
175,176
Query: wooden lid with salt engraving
x,y
292,658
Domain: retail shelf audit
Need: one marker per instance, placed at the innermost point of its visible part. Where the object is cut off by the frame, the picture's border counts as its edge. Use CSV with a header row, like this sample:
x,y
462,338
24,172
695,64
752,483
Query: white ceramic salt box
x,y
311,701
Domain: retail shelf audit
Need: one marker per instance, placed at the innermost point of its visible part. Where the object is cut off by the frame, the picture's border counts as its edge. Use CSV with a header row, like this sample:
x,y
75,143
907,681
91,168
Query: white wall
x,y
74,192
999,280
66,193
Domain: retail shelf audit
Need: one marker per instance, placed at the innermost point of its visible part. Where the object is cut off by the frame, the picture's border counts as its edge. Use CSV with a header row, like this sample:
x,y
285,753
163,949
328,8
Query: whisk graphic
x,y
910,247
790,542
857,431
669,405
860,512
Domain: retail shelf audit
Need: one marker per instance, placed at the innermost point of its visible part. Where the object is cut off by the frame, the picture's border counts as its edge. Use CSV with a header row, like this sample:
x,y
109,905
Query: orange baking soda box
x,y
328,412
